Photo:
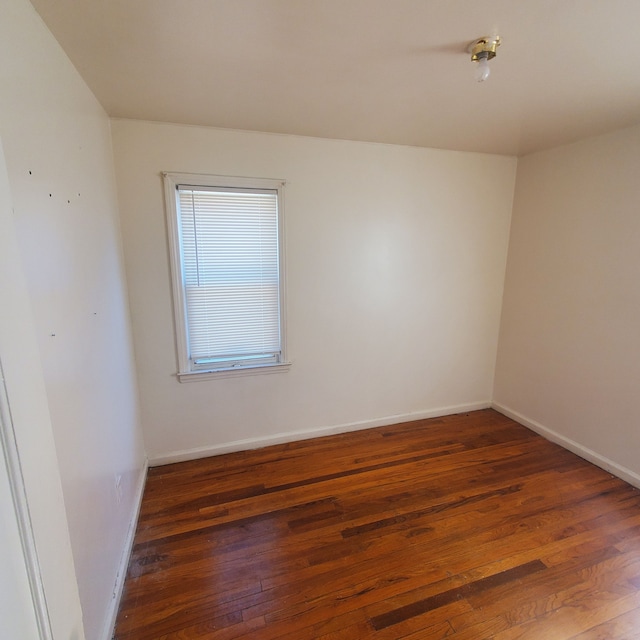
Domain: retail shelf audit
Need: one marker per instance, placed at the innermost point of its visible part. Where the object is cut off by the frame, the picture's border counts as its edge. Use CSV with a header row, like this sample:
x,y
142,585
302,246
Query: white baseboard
x,y
114,604
292,436
575,447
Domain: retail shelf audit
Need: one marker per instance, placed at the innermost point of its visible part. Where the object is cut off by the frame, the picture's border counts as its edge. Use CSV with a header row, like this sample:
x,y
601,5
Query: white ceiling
x,y
393,71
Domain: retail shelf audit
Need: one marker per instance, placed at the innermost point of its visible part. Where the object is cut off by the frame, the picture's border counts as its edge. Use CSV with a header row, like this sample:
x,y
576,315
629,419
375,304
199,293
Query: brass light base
x,y
484,48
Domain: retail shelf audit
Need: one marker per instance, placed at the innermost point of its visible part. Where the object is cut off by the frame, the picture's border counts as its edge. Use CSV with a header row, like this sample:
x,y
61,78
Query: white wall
x,y
57,145
395,265
25,422
569,355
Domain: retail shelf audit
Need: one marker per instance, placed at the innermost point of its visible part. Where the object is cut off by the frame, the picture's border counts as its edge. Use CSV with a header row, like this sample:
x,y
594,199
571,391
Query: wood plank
x,y
467,526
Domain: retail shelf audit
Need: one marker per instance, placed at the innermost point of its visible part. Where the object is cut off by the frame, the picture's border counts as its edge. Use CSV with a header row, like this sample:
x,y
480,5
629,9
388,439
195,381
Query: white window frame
x,y
186,371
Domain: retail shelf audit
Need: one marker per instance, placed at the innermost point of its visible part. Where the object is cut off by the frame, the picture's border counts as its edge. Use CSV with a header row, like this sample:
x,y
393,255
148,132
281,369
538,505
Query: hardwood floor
x,y
463,527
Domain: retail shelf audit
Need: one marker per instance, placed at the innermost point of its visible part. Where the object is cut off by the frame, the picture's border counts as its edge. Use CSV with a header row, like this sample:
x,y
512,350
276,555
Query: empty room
x,y
320,319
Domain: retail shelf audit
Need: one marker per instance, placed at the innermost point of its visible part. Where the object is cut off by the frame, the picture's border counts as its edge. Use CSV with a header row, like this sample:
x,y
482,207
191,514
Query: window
x,y
227,271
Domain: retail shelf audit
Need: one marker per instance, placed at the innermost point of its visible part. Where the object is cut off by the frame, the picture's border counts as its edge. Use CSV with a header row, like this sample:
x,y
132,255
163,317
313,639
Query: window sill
x,y
234,372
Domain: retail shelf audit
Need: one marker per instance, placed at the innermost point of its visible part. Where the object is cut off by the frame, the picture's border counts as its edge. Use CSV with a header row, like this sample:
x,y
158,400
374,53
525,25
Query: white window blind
x,y
230,273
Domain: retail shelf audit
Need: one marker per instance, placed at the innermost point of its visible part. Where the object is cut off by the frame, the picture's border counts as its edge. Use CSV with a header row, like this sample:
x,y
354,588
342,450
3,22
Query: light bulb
x,y
483,70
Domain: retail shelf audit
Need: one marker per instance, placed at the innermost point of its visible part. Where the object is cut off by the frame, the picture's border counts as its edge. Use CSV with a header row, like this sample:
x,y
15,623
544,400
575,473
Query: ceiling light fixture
x,y
482,50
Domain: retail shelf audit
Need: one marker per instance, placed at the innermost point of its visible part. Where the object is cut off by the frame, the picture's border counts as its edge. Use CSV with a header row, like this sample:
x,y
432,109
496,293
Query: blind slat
x,y
230,267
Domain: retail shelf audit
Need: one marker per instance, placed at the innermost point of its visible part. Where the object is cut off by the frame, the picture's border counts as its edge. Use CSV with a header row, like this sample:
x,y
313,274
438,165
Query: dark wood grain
x,y
463,527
